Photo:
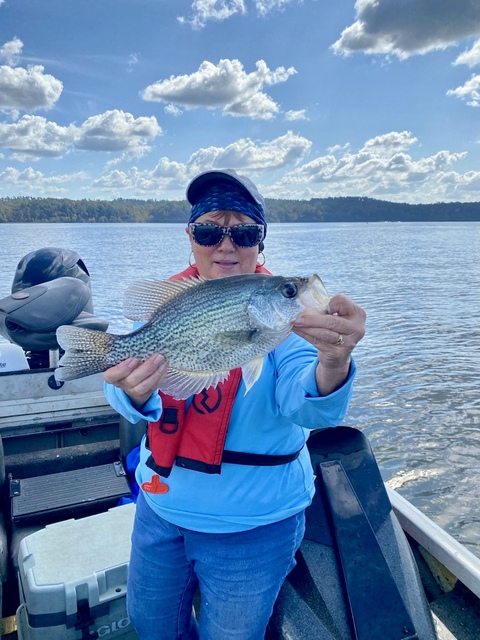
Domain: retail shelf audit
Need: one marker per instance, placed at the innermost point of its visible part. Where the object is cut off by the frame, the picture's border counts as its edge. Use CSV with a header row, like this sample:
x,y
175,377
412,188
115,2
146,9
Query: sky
x,y
104,99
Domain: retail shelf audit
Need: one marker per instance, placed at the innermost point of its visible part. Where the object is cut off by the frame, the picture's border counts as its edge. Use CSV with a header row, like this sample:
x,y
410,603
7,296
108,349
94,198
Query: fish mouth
x,y
319,290
315,297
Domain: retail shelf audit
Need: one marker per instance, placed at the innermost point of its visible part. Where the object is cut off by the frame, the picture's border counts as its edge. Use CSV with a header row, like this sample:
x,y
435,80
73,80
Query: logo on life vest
x,y
208,400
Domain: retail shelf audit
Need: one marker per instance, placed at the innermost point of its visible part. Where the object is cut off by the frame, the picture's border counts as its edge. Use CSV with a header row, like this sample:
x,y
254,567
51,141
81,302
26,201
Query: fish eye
x,y
289,290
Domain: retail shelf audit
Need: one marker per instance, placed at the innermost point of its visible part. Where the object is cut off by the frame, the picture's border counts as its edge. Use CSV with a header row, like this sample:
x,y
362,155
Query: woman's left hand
x,y
335,335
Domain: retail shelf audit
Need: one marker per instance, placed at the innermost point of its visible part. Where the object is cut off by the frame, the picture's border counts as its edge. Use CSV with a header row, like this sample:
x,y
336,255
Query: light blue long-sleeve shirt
x,y
274,417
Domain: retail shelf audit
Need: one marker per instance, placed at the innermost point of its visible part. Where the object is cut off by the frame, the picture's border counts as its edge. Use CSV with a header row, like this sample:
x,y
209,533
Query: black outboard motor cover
x,y
31,317
48,264
51,288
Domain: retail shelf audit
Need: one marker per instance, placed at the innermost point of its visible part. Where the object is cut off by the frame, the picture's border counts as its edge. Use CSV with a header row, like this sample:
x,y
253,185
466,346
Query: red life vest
x,y
191,439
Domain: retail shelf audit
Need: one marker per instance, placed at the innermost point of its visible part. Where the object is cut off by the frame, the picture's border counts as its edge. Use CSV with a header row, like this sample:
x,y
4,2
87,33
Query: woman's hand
x,y
138,379
335,335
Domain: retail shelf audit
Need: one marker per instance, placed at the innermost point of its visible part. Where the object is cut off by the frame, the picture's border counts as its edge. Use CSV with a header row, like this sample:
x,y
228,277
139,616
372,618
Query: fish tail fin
x,y
86,352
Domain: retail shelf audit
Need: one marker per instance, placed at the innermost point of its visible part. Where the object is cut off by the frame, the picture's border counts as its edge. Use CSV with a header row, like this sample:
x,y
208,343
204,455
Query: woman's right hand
x,y
138,379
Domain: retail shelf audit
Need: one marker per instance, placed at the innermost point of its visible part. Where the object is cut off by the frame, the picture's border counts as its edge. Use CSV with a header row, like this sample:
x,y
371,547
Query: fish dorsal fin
x,y
251,372
183,384
142,299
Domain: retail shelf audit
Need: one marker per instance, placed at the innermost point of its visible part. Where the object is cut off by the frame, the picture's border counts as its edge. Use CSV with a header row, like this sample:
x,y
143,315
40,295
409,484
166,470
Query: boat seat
x,y
58,495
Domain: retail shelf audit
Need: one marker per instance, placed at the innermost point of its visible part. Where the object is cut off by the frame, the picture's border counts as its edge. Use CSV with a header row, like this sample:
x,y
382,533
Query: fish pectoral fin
x,y
142,299
234,338
251,372
183,384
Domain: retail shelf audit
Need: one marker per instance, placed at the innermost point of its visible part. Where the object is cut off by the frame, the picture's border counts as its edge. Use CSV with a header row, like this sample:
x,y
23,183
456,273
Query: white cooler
x,y
73,576
12,358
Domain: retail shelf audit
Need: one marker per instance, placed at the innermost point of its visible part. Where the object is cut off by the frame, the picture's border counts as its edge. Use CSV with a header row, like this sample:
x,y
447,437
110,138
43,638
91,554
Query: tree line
x,y
346,209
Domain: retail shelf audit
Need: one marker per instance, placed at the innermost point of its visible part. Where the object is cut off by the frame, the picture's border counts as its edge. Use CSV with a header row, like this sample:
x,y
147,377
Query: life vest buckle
x,y
169,421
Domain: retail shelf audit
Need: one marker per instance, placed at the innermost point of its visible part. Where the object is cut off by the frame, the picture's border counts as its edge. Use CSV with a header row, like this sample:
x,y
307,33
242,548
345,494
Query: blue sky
x,y
310,98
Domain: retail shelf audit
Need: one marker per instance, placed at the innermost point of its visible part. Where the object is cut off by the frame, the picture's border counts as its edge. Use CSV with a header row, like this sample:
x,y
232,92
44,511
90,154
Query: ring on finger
x,y
340,341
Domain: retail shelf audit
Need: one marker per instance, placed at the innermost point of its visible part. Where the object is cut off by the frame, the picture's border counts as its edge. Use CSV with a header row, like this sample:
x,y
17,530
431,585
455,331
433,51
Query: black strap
x,y
258,459
232,457
161,471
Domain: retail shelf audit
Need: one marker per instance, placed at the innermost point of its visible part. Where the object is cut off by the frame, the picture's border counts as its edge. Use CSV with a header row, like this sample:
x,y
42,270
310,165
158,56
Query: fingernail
x,y
300,320
158,360
131,363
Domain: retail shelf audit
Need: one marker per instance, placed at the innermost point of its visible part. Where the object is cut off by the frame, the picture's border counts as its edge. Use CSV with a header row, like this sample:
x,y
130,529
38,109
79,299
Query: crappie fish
x,y
203,328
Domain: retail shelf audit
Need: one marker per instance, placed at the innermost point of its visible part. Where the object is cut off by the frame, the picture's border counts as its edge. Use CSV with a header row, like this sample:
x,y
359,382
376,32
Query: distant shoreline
x,y
348,209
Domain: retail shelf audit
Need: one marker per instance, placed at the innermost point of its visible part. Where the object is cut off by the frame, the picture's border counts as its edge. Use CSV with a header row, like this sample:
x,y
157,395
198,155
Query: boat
x,y
371,566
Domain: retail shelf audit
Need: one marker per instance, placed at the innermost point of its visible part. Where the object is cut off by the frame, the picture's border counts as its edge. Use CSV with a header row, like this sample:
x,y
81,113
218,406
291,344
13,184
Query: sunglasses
x,y
242,235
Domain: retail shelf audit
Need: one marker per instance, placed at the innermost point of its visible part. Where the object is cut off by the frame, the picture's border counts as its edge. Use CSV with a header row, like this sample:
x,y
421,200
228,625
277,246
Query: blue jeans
x,y
239,576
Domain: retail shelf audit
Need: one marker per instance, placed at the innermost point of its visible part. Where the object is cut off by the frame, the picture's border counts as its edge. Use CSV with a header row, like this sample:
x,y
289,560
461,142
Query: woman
x,y
232,534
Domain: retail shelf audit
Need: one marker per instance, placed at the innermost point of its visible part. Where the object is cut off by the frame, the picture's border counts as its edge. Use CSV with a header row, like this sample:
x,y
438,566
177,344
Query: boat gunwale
x,y
461,562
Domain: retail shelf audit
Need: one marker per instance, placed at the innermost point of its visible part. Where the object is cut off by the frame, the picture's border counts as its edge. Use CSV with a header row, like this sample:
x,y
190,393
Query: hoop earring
x,y
190,259
264,258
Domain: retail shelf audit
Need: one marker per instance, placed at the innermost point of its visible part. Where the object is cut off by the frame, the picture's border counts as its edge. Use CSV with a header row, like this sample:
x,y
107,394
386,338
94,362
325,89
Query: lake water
x,y
417,394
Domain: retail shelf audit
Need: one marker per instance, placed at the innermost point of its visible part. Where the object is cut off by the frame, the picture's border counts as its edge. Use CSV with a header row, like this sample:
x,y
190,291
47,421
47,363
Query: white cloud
x,y
264,7
250,156
133,60
461,187
390,143
470,57
117,131
114,180
205,10
470,91
382,168
172,110
24,89
225,86
387,166
34,137
166,177
296,115
36,182
244,155
202,11
28,89
10,51
408,27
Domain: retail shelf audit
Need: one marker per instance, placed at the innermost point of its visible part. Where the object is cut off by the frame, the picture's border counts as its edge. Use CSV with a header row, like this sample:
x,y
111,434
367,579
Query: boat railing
x,y
461,562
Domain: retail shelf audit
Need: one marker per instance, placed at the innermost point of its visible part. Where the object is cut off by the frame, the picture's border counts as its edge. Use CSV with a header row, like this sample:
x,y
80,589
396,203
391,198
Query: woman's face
x,y
225,259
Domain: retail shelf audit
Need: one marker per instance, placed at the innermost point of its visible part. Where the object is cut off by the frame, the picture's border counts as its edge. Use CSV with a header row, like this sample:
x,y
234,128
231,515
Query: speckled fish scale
x,y
203,328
